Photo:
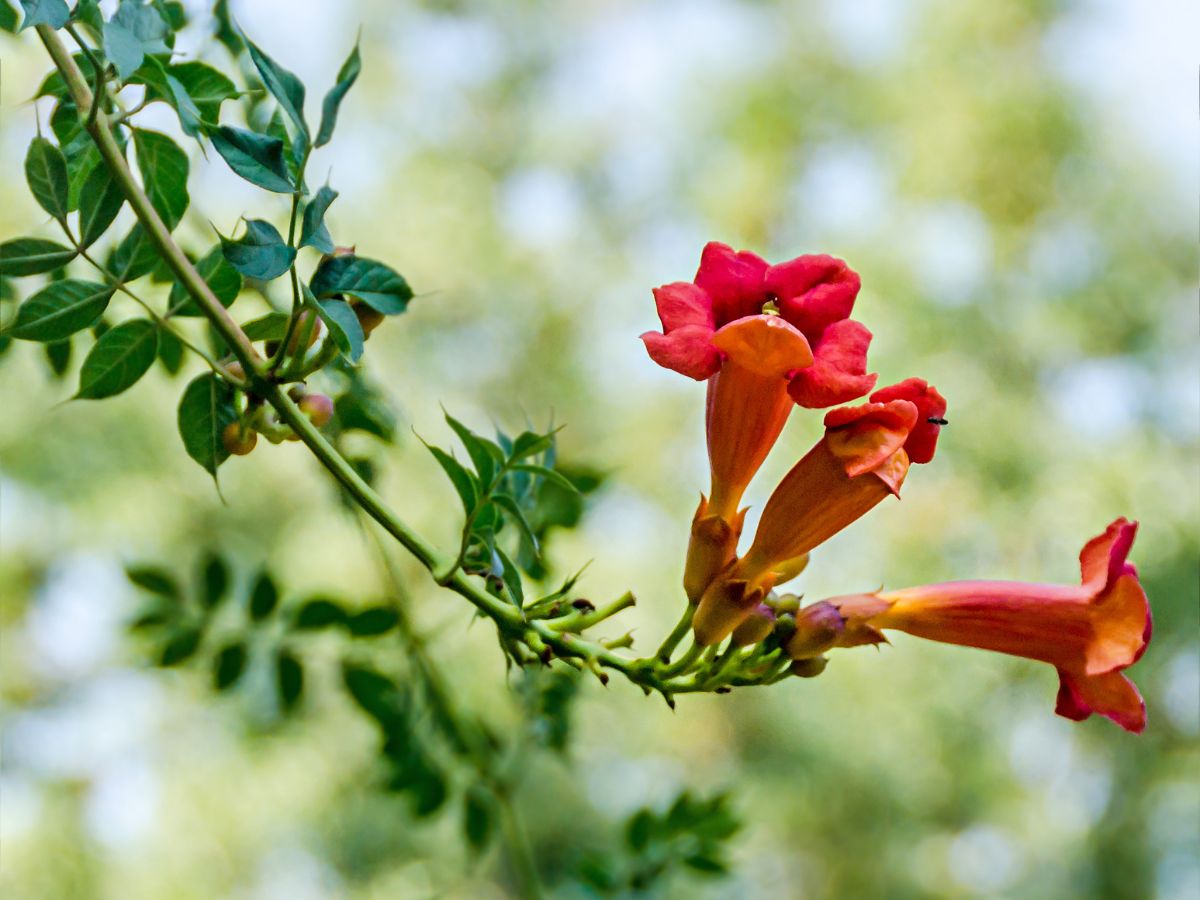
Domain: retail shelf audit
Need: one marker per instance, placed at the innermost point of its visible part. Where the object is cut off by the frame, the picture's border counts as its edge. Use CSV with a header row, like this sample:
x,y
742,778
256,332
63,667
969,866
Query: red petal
x,y
864,437
734,281
681,304
922,443
814,291
1111,695
766,345
687,350
838,373
1103,558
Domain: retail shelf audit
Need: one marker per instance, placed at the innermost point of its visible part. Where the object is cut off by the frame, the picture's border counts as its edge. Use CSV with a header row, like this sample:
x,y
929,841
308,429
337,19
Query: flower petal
x,y
766,345
687,350
681,304
1121,624
839,370
733,280
814,291
931,408
1111,695
1103,558
864,437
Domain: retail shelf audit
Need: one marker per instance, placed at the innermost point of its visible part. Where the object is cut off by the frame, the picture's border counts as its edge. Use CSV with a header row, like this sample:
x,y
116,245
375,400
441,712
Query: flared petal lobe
x,y
839,370
931,413
734,280
1089,633
814,291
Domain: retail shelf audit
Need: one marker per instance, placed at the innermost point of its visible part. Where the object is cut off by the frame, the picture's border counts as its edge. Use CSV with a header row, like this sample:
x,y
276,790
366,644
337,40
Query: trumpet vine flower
x,y
863,458
765,337
1089,632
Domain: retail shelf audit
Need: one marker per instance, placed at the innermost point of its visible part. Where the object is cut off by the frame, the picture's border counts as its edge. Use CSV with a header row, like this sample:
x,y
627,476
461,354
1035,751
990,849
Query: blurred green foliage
x,y
1025,233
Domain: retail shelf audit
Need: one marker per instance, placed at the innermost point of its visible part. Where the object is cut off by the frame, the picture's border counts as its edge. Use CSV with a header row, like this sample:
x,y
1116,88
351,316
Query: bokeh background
x,y
1015,181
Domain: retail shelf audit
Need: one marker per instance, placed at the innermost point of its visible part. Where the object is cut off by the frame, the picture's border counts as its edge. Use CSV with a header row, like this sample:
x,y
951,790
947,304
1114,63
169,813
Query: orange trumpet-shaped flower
x,y
860,460
749,329
1089,632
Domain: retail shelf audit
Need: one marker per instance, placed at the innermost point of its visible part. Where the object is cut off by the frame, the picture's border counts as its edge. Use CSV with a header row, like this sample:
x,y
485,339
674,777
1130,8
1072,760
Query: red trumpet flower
x,y
1089,632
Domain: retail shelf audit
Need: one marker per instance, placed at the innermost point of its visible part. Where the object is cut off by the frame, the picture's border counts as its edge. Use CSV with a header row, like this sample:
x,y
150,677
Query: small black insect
x,y
935,420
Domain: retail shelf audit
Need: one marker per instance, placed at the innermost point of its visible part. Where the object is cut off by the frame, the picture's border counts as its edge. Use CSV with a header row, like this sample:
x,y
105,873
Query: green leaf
x,y
190,117
518,516
135,256
116,361
207,87
374,621
639,829
32,256
464,482
361,407
530,444
170,351
88,12
214,580
313,232
343,324
512,579
8,18
271,327
706,865
346,77
46,175
318,613
549,474
155,580
283,85
204,87
45,12
289,679
58,355
260,253
228,665
255,157
181,647
264,596
164,168
204,410
372,282
225,32
479,817
100,199
60,309
134,31
376,694
485,455
223,279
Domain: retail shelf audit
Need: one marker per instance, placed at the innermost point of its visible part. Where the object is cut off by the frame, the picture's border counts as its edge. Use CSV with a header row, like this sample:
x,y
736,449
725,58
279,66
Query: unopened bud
x,y
368,317
818,628
318,408
755,628
238,439
307,326
711,547
235,370
809,668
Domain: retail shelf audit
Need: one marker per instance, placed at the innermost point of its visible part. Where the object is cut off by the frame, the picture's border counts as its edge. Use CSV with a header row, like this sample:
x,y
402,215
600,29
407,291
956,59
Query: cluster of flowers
x,y
767,338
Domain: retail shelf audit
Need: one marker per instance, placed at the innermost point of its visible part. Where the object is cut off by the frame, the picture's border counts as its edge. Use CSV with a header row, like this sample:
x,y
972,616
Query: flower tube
x,y
858,462
1089,632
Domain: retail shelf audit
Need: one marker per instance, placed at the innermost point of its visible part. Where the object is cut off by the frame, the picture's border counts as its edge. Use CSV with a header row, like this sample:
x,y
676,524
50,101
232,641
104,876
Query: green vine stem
x,y
514,626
